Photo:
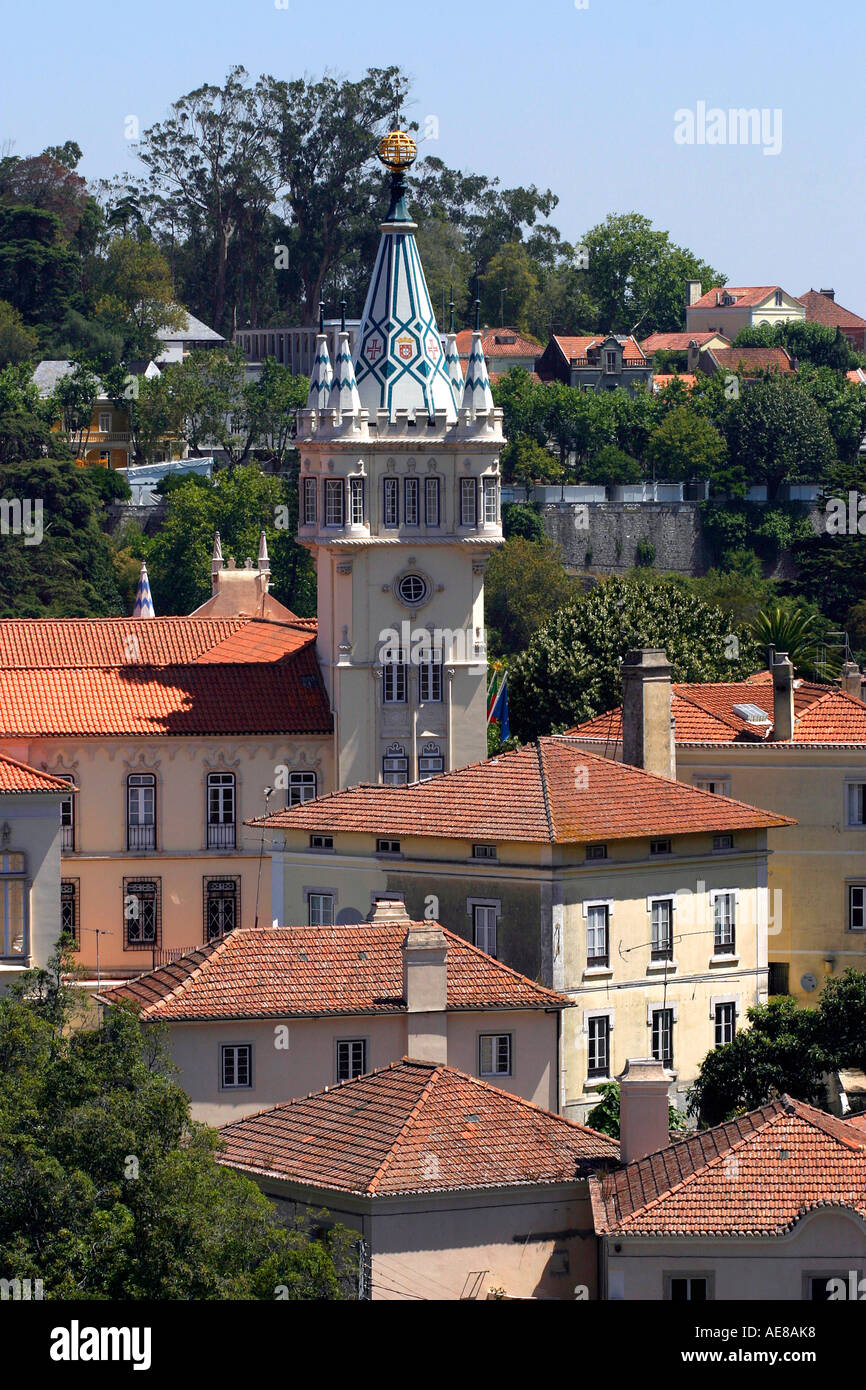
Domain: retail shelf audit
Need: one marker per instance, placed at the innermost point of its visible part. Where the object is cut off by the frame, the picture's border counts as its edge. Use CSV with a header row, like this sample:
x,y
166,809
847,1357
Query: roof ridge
x,y
499,966
408,1123
545,792
207,951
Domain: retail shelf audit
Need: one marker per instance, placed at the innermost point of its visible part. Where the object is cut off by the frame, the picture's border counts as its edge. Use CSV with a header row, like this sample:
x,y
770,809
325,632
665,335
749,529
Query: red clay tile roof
x,y
312,971
663,379
752,359
413,1127
746,296
820,308
17,777
578,347
494,346
550,791
677,342
754,1176
159,676
705,714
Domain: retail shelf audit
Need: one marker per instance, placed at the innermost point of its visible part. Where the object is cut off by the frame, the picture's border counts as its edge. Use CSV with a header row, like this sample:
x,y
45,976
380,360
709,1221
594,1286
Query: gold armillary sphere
x,y
397,150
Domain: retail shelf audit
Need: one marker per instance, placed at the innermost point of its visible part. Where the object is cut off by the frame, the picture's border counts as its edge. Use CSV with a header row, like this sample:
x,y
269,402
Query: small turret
x,y
452,358
477,396
344,398
322,374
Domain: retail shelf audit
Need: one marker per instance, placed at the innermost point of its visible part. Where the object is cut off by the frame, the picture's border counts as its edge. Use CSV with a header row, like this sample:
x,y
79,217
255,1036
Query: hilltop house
x,y
602,363
727,309
821,307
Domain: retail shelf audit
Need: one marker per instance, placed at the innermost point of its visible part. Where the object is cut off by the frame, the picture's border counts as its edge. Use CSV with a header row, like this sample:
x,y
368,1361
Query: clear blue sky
x,y
580,100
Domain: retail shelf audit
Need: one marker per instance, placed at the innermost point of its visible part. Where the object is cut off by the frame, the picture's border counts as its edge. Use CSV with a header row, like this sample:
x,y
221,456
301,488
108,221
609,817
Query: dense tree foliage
x,y
525,584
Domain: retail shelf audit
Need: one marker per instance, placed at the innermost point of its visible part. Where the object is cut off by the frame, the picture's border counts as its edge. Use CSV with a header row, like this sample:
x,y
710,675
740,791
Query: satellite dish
x,y
809,982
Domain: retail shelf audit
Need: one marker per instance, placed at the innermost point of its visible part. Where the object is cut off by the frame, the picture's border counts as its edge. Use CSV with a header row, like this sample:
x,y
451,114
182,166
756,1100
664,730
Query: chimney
x,y
852,680
693,292
831,294
216,564
647,727
643,1109
694,356
425,983
783,698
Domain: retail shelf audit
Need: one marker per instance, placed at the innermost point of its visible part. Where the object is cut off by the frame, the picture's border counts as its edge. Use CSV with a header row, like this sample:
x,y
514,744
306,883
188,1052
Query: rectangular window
x,y
334,502
394,685
663,929
468,502
430,680
857,906
610,360
596,851
484,928
598,1046
777,977
724,923
13,906
719,786
726,1023
236,1066
321,909
430,763
356,501
351,1058
491,511
387,846
597,922
663,1036
661,847
310,501
105,422
856,804
483,851
431,501
221,907
395,769
141,913
141,811
494,1054
722,843
391,503
686,1289
301,788
69,922
321,842
221,810
67,820
411,506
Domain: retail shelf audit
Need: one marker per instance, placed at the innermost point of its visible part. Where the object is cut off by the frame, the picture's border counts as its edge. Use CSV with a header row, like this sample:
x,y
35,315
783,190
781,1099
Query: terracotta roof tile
x,y
747,296
676,342
753,359
494,344
578,347
17,777
286,972
413,1127
755,1175
820,308
551,791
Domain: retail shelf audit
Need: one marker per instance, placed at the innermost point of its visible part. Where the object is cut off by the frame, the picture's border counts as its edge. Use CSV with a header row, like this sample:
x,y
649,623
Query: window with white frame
x,y
236,1066
663,1036
598,1045
105,422
356,501
351,1058
725,1023
395,766
310,485
411,504
491,510
856,798
141,811
662,917
857,906
301,788
13,905
430,679
67,819
597,934
320,909
468,502
430,762
334,502
724,922
394,683
391,502
719,786
431,501
484,928
494,1054
661,846
221,810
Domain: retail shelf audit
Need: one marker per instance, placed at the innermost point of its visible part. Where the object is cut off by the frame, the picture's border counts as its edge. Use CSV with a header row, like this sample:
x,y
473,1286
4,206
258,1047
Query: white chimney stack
x,y
647,726
852,680
643,1109
783,698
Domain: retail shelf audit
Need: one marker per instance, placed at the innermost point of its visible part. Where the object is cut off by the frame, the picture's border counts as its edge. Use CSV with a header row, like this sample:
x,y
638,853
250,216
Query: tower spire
x,y
322,374
452,356
143,601
477,396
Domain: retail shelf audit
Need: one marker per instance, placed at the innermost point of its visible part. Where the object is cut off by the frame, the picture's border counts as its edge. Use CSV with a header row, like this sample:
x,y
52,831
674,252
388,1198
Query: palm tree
x,y
795,631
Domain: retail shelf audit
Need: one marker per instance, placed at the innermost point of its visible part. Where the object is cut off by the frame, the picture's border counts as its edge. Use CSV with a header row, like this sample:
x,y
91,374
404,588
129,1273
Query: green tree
x,y
509,288
685,446
137,296
524,585
612,465
524,462
604,1116
778,434
18,343
792,630
519,519
25,431
571,670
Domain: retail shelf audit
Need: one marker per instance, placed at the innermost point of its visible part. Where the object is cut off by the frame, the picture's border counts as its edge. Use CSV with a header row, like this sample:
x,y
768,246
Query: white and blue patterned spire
x,y
322,375
143,601
399,362
477,395
344,389
452,359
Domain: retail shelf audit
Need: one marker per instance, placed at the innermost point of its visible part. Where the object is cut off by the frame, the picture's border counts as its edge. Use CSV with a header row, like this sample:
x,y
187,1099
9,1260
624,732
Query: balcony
x,y
140,837
221,836
67,839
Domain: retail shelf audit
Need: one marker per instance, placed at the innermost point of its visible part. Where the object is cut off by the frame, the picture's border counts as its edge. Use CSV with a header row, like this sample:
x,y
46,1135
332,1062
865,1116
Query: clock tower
x,y
399,504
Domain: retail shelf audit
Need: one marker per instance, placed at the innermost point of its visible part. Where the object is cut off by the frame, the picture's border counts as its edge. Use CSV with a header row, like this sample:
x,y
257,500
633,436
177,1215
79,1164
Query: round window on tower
x,y
412,589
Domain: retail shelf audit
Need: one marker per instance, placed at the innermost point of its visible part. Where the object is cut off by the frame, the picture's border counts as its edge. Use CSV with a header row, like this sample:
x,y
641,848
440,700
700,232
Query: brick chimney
x,y
852,680
783,698
643,1109
425,980
693,292
647,727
